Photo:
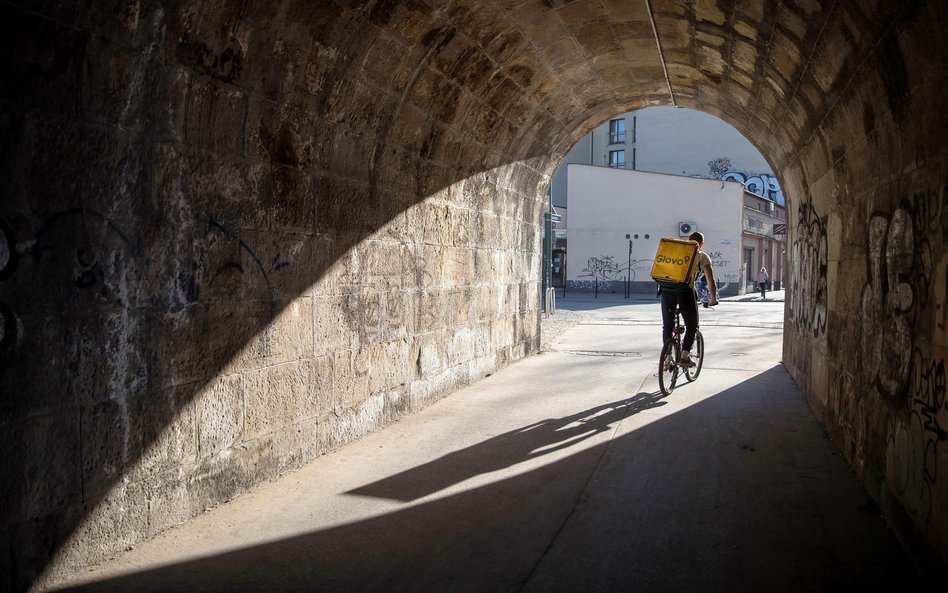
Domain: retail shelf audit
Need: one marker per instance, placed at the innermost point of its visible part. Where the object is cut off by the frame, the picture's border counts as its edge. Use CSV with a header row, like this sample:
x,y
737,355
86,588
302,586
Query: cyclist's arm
x,y
712,284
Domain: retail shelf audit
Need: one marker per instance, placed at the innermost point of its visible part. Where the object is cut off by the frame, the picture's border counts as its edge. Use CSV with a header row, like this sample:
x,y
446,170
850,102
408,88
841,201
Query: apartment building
x,y
676,143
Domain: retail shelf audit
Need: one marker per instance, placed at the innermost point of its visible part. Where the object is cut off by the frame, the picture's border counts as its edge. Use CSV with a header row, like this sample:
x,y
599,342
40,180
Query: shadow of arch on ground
x,y
740,490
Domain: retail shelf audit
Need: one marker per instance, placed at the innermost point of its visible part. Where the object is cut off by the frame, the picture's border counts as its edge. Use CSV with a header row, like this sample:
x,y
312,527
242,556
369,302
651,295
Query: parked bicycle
x,y
669,364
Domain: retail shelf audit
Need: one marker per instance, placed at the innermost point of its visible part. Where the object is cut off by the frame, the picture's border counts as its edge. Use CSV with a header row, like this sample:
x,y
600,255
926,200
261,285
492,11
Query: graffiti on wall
x,y
928,211
96,247
719,262
718,259
940,305
900,270
888,304
603,271
763,185
602,268
913,444
806,307
225,258
97,253
901,363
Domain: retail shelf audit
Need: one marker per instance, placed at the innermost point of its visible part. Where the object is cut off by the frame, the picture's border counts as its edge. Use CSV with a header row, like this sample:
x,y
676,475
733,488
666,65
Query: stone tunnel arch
x,y
239,234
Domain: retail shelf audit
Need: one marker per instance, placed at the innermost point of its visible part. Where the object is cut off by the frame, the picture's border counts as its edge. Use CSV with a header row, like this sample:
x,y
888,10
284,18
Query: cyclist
x,y
683,297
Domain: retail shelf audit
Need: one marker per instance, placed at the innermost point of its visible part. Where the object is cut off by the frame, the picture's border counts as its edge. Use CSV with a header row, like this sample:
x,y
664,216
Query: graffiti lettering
x,y
98,250
941,303
87,239
807,303
887,304
601,268
92,257
928,387
763,185
928,208
913,445
590,284
900,269
223,267
717,259
604,271
908,371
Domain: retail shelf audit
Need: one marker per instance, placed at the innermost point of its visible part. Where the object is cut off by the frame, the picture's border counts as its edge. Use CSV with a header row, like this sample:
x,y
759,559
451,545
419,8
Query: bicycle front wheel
x,y
668,366
697,357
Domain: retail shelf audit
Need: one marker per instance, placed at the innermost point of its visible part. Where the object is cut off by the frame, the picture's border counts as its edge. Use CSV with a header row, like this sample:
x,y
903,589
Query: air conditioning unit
x,y
686,228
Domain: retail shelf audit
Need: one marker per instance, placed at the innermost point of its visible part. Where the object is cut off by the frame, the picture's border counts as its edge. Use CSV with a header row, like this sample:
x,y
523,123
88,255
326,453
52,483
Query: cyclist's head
x,y
697,238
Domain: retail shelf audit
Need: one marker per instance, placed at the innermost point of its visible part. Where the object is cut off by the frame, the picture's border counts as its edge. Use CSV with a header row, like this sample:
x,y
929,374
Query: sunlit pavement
x,y
568,471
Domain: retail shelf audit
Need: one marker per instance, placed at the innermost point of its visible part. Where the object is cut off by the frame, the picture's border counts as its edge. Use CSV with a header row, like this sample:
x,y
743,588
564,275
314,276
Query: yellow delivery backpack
x,y
674,263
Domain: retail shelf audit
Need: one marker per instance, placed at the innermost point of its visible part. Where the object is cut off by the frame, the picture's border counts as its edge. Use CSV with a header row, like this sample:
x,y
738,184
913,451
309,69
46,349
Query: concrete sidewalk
x,y
568,471
773,296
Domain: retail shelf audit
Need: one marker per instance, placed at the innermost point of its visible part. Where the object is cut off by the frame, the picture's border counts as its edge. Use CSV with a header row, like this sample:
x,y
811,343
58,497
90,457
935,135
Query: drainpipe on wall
x,y
548,305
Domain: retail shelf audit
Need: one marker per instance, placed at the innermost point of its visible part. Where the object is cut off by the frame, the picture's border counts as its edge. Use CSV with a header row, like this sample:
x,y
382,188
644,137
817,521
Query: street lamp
x,y
628,270
628,275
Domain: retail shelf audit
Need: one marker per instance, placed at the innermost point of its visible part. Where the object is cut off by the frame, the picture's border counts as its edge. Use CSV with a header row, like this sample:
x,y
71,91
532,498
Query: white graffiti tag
x,y
887,303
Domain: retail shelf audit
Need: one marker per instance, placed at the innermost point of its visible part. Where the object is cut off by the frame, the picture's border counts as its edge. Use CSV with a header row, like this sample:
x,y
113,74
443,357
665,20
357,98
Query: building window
x,y
633,129
617,159
617,131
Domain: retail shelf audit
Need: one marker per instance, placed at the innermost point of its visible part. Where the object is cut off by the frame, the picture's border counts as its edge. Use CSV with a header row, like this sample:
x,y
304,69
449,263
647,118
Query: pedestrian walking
x,y
762,280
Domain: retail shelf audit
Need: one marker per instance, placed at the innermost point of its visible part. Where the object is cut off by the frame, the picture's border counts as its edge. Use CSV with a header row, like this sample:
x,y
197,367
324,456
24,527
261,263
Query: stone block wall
x,y
232,242
866,309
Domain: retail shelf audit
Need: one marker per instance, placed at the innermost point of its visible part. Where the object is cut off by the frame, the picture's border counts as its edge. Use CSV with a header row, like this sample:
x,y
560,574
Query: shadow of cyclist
x,y
505,450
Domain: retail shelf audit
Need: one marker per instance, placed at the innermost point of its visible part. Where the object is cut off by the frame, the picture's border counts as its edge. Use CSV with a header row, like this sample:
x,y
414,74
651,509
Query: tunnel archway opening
x,y
745,233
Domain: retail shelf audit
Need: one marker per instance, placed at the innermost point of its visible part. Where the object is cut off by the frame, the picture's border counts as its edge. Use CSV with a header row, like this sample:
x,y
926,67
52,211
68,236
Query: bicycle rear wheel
x,y
697,357
668,366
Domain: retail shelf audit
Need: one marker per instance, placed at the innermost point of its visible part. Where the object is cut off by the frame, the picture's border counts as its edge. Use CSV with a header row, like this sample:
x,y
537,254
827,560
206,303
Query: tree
x,y
719,166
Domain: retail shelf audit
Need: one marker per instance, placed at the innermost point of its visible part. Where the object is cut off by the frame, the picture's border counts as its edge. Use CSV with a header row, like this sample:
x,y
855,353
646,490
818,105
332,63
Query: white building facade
x,y
617,218
671,140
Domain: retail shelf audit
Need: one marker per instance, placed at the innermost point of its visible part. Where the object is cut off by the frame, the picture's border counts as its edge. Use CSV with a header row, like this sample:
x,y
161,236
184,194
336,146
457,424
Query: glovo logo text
x,y
664,259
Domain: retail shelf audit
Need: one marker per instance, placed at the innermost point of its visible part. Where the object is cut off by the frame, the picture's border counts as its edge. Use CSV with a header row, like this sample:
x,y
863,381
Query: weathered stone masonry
x,y
234,235
236,238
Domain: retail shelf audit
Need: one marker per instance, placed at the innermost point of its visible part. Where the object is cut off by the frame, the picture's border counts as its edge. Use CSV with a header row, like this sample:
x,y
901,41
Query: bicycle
x,y
669,363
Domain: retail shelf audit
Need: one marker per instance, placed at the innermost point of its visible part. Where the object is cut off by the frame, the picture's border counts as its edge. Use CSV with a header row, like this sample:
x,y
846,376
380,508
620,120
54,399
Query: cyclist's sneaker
x,y
686,360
